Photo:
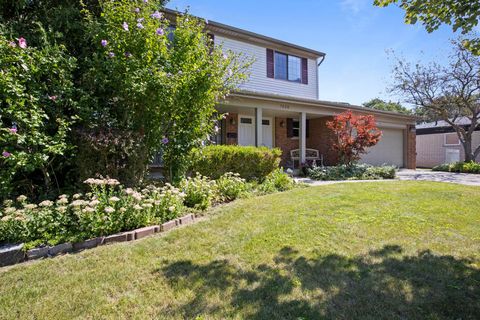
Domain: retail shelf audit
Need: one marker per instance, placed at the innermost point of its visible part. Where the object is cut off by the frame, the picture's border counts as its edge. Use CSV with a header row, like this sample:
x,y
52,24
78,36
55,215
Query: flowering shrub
x,y
199,191
107,209
465,167
230,186
36,113
277,181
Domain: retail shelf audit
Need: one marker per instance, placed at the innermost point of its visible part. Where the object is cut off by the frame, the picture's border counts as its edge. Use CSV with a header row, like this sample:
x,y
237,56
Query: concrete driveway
x,y
429,175
412,175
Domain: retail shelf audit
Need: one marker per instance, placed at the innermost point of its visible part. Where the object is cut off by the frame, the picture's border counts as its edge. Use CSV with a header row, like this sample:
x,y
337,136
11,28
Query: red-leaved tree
x,y
353,134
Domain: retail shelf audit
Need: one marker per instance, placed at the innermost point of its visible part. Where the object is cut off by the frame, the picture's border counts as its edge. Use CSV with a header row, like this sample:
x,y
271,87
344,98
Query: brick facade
x,y
411,145
318,138
231,128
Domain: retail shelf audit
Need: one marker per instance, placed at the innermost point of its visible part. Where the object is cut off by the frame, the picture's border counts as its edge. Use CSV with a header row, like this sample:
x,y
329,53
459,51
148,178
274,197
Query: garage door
x,y
388,151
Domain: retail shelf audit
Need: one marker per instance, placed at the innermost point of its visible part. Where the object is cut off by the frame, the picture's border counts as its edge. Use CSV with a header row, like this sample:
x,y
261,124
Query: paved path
x,y
429,175
412,175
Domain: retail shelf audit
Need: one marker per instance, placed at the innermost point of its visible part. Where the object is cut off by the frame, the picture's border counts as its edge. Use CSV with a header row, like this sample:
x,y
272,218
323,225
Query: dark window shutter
x,y
270,64
304,70
308,128
289,127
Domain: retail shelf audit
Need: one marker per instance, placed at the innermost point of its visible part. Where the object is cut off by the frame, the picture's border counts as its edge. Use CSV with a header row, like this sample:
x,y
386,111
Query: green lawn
x,y
385,250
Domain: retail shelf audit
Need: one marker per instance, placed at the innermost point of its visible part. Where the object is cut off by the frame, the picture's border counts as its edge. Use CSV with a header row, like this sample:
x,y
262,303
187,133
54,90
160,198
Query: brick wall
x,y
318,138
411,148
231,128
282,141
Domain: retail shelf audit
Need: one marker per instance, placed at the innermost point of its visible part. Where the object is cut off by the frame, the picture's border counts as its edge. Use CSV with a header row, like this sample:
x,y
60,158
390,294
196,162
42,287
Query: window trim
x,y
287,69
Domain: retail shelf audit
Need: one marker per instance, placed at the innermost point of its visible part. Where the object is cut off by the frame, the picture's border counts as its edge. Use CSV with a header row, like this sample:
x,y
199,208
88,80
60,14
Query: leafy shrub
x,y
230,186
277,181
353,172
107,209
199,191
36,114
251,163
462,167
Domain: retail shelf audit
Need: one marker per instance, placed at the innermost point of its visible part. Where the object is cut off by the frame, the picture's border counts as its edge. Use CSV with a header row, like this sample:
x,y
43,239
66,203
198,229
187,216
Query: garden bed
x,y
459,167
353,172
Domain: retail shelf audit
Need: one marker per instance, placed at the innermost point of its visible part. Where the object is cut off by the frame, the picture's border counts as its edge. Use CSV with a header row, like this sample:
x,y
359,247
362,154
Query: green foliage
x,y
353,172
230,186
107,209
277,181
36,113
379,104
155,81
199,192
462,15
251,163
463,167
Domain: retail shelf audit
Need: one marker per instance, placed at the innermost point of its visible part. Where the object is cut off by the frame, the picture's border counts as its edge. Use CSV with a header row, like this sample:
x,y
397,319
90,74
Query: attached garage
x,y
390,149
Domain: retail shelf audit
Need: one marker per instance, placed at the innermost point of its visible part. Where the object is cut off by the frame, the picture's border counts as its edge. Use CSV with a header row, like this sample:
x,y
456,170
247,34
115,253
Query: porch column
x,y
258,127
303,137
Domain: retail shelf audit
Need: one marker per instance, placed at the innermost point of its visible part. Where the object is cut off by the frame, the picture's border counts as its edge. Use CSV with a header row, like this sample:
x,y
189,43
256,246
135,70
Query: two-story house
x,y
279,106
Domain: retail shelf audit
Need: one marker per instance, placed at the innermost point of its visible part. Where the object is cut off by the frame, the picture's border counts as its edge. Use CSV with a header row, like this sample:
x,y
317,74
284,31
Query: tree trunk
x,y
467,146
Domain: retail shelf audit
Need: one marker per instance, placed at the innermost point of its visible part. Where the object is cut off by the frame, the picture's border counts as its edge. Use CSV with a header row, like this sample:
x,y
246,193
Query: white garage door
x,y
388,151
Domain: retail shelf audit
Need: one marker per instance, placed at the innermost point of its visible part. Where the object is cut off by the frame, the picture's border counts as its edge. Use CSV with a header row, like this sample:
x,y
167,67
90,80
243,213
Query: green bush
x,y
230,186
354,172
462,167
251,163
276,181
199,192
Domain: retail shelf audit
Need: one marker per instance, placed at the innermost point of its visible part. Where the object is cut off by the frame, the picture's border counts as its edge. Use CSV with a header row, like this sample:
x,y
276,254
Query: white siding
x,y
259,82
389,149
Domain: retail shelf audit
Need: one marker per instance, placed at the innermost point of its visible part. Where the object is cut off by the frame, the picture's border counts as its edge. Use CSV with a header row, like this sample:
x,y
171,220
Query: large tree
x,y
379,104
447,93
462,15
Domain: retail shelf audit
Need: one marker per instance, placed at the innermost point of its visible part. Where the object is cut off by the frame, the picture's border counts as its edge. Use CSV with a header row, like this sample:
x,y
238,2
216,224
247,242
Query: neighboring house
x,y
438,143
279,105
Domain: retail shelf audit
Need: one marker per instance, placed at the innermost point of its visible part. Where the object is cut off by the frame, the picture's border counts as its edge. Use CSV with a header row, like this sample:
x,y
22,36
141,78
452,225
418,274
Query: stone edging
x,y
13,254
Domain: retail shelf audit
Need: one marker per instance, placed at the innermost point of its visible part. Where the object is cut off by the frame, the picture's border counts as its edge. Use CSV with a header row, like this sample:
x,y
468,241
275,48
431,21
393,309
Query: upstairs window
x,y
288,67
283,66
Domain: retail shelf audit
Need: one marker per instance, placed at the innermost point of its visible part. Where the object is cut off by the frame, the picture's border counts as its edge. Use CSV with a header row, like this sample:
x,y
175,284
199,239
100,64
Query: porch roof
x,y
334,106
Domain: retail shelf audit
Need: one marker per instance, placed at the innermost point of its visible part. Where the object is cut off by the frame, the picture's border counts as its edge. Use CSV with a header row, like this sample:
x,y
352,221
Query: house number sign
x,y
285,106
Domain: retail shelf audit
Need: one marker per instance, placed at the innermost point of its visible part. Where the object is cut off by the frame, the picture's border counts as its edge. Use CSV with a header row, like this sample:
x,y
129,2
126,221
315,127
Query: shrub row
x,y
462,167
353,172
251,163
110,208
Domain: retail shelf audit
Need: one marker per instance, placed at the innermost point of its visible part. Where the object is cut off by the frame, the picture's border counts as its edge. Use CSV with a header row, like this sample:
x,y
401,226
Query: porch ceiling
x,y
250,111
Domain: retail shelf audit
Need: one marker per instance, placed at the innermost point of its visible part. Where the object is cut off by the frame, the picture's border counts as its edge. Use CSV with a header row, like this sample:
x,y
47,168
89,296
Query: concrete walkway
x,y
411,175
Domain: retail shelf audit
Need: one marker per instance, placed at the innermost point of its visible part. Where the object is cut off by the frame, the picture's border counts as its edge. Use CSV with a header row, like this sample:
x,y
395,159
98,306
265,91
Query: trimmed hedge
x,y
252,163
462,167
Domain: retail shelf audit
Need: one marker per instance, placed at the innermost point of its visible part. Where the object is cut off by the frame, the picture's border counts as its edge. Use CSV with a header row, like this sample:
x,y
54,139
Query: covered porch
x,y
291,124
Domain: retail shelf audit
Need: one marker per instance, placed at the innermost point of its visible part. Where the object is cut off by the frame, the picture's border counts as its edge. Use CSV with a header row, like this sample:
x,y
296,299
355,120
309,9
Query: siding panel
x,y
259,82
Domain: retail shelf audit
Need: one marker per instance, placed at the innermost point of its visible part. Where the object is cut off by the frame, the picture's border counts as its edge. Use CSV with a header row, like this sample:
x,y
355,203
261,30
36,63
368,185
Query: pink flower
x,y
13,130
22,43
53,98
6,154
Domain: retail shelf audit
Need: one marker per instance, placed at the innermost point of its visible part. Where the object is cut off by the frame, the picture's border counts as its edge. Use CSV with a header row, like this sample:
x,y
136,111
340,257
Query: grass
x,y
390,250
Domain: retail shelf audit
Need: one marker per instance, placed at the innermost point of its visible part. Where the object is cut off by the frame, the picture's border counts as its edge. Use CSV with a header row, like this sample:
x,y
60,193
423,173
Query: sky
x,y
356,37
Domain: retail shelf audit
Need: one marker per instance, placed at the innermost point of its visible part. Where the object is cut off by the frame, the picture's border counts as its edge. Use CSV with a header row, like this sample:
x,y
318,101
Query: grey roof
x,y
322,103
464,121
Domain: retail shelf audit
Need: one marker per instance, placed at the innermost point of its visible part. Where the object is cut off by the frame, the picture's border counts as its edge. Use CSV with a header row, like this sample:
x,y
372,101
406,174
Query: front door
x,y
267,135
246,131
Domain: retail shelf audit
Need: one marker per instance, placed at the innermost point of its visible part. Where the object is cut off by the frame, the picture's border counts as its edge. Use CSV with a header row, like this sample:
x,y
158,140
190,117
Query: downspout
x,y
318,76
